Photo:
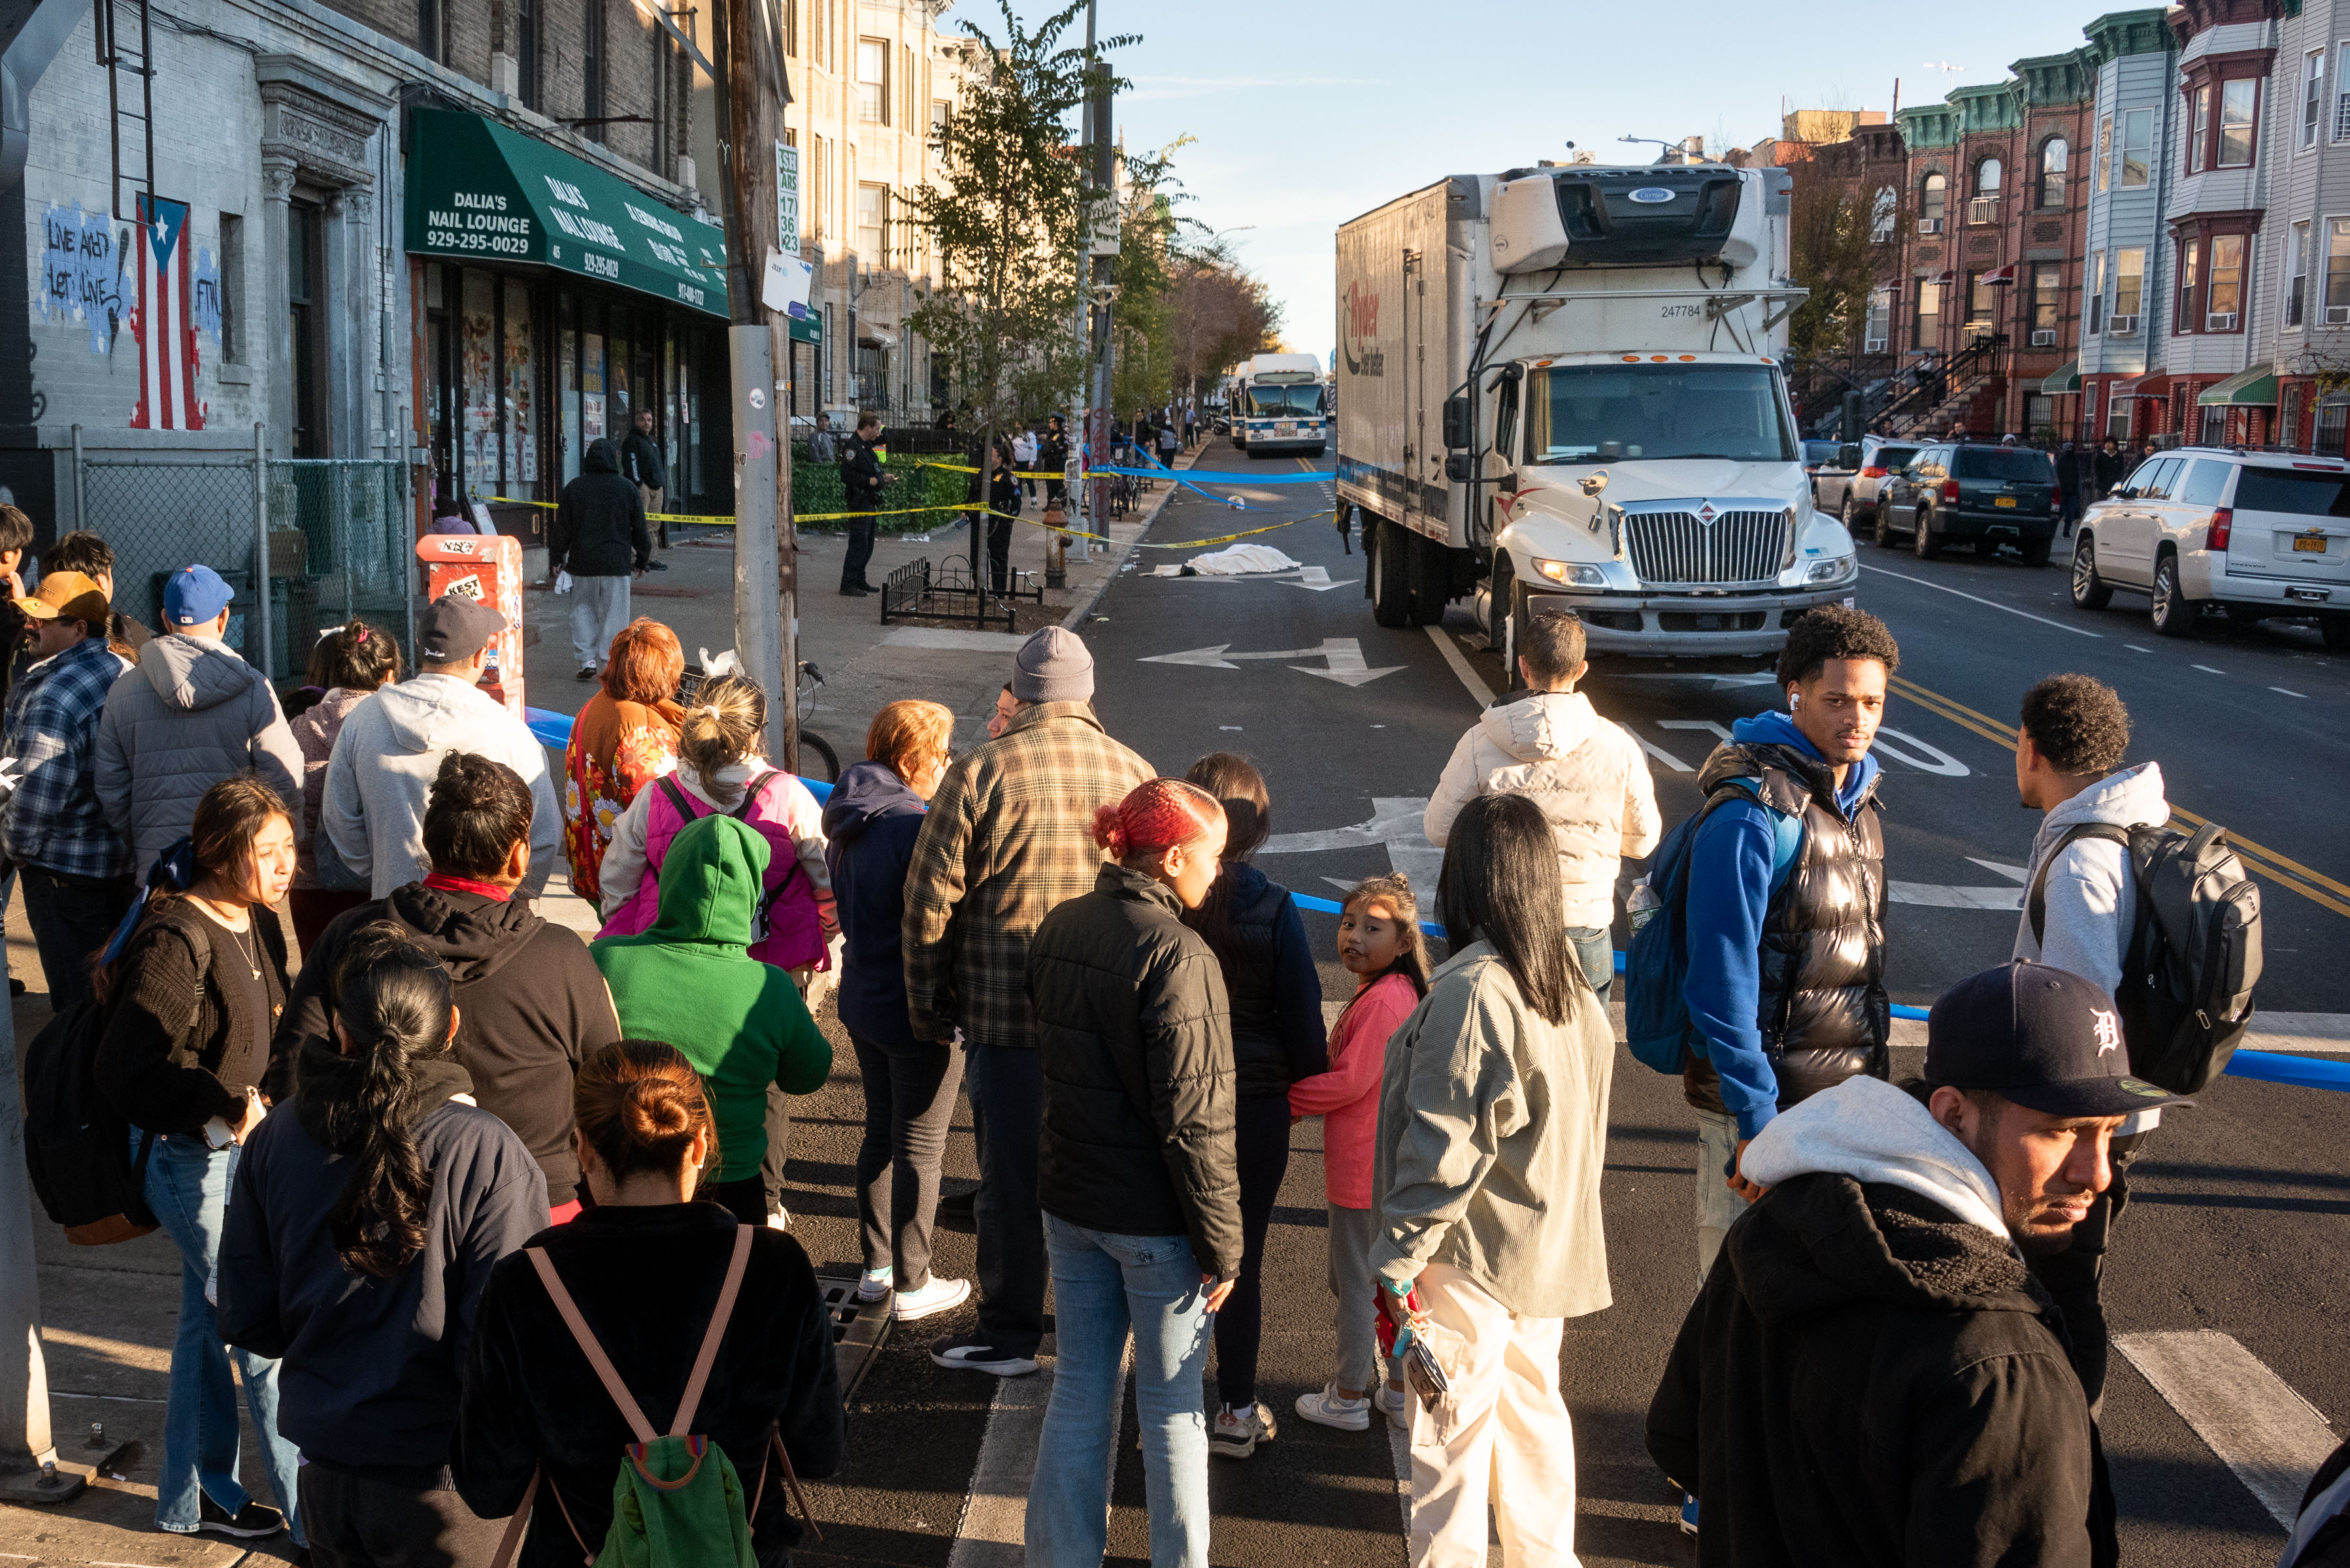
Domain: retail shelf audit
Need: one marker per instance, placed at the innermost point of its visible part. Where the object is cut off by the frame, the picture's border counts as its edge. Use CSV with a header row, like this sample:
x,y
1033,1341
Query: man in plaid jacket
x,y
1009,834
75,870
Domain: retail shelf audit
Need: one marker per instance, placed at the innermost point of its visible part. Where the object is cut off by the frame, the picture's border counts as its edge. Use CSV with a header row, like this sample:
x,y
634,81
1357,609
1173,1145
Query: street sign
x,y
1342,659
787,199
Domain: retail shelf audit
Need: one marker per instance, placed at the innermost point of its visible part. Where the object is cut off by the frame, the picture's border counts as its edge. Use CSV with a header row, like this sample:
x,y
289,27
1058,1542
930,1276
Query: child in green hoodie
x,y
690,980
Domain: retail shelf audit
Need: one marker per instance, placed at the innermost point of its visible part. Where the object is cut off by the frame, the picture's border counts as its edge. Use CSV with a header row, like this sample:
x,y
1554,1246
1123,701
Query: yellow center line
x,y
2282,869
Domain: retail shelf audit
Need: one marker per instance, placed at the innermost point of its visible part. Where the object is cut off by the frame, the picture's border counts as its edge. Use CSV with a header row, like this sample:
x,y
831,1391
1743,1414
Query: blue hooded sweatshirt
x,y
869,825
1730,890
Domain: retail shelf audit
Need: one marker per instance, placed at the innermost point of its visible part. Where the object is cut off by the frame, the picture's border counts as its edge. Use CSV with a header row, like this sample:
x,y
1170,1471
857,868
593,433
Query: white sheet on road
x,y
1240,560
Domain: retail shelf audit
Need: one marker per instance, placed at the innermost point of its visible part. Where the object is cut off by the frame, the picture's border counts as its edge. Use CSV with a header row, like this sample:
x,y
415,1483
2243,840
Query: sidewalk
x,y
109,1314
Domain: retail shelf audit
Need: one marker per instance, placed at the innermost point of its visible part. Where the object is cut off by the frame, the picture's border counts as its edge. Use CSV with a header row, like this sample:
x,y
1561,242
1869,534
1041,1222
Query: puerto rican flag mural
x,y
163,323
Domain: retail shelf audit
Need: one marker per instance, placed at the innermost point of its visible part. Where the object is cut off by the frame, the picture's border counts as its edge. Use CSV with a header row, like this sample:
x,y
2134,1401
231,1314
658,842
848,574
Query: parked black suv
x,y
1993,495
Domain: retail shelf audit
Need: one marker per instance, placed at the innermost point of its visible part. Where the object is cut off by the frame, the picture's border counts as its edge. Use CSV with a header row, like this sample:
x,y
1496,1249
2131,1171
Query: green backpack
x,y
677,1501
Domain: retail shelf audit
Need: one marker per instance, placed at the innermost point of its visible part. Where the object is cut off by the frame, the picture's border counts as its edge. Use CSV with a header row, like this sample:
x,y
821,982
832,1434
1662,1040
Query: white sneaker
x,y
939,1295
1326,1409
875,1283
1236,1433
1394,1404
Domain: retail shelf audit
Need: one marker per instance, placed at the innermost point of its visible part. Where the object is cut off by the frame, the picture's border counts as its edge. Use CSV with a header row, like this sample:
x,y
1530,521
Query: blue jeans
x,y
1104,1284
188,1188
1597,954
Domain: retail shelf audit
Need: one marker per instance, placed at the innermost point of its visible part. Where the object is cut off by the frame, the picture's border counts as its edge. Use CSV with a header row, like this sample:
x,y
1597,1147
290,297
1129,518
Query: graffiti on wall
x,y
81,272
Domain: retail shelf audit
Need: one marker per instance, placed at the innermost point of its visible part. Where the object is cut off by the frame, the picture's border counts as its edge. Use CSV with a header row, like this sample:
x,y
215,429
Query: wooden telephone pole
x,y
751,95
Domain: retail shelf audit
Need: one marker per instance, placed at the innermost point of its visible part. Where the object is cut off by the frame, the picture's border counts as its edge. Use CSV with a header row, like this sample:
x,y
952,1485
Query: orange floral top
x,y
617,748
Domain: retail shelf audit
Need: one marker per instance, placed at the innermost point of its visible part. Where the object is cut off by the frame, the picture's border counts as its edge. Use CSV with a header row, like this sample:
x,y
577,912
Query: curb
x,y
1073,621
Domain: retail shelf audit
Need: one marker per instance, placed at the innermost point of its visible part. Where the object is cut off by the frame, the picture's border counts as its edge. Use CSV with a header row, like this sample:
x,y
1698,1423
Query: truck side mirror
x,y
1456,422
1848,456
1459,467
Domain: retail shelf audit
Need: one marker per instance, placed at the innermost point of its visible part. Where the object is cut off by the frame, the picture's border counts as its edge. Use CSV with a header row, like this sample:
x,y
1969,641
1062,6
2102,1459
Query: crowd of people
x,y
466,1204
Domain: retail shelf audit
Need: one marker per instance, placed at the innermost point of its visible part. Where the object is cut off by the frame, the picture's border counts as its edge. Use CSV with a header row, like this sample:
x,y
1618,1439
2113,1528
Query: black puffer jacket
x,y
1823,1009
1251,922
1134,1040
1870,1382
599,521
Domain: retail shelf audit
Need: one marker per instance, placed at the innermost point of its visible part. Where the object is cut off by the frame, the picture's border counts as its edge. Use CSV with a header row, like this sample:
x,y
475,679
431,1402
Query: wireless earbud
x,y
1795,701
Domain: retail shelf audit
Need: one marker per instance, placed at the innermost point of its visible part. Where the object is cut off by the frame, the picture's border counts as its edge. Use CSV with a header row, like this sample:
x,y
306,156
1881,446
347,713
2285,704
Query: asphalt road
x,y
2236,1225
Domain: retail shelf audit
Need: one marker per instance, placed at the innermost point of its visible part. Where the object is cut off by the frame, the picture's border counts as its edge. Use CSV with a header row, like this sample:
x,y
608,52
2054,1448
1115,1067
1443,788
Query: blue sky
x,y
1309,112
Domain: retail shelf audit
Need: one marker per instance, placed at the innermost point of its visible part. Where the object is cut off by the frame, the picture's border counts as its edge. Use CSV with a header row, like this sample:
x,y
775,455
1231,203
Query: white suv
x,y
2262,534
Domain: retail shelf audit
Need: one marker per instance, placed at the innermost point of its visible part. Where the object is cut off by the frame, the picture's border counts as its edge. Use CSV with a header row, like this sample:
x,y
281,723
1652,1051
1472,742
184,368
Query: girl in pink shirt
x,y
1380,943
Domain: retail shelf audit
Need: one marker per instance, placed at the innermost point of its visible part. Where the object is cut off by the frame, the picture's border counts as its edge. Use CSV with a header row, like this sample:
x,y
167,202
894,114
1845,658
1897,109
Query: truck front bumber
x,y
1689,626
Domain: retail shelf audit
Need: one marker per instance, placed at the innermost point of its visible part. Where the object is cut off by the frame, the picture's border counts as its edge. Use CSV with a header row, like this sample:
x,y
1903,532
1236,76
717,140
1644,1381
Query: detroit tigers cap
x,y
2043,1037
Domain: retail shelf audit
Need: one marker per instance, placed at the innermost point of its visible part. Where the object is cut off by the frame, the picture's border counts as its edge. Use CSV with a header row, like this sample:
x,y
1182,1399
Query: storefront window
x,y
483,458
591,386
522,382
566,384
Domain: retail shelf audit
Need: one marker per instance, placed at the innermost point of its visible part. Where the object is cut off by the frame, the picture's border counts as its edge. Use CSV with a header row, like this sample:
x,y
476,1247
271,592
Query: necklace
x,y
251,956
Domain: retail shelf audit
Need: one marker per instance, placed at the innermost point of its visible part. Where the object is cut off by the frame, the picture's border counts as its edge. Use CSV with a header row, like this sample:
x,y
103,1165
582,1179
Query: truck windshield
x,y
1284,403
1604,413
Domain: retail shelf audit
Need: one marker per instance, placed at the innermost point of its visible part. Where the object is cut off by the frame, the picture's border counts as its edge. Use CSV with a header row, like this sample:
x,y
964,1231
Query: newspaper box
x,y
487,567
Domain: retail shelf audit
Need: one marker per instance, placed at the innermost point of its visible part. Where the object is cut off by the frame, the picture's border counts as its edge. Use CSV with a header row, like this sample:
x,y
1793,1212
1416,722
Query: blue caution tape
x,y
1186,476
1331,906
2303,1072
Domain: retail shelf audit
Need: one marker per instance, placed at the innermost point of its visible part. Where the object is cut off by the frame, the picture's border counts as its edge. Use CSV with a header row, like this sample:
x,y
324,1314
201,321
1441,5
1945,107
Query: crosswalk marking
x,y
2249,1417
2317,1033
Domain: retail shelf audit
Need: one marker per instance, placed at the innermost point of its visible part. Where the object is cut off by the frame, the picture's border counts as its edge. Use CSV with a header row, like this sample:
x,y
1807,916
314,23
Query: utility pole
x,y
1078,494
1101,416
752,93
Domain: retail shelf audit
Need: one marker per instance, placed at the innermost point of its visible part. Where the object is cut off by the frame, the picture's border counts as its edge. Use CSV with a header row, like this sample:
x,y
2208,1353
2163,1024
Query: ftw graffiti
x,y
1358,332
81,272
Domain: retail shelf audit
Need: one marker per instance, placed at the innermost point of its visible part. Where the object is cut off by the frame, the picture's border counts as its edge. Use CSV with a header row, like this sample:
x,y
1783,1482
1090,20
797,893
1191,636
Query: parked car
x,y
1990,495
1852,487
2261,535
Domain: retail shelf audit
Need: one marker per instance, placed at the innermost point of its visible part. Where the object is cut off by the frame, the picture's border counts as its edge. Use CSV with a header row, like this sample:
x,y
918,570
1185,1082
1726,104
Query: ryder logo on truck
x,y
1364,356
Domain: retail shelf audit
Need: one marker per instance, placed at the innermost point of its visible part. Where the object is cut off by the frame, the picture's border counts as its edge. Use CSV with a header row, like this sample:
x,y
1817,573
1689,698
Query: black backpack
x,y
77,1145
2194,952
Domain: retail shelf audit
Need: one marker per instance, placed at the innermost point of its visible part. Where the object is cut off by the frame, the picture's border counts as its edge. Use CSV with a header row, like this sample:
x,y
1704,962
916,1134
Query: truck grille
x,y
1736,547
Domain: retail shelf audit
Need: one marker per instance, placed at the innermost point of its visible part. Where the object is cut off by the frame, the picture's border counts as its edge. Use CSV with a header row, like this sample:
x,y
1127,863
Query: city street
x,y
2234,1225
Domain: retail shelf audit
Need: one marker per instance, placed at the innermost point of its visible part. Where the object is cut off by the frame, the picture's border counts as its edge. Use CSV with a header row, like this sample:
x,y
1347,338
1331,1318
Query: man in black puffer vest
x,y
1786,900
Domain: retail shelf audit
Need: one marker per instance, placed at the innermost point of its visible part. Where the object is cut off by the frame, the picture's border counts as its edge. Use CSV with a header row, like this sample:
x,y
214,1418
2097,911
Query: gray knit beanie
x,y
1053,666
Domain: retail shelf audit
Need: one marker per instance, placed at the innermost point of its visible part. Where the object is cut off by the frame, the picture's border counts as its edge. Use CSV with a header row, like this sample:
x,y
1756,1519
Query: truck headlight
x,y
1572,574
1834,569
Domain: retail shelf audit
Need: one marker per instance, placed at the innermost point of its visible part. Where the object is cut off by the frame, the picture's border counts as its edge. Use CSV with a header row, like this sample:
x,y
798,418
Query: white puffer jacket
x,y
1588,775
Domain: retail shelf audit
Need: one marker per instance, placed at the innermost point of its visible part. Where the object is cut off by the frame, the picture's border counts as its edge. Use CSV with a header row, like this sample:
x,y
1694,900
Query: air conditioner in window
x,y
2043,339
2335,315
1873,345
2220,321
1930,225
2122,326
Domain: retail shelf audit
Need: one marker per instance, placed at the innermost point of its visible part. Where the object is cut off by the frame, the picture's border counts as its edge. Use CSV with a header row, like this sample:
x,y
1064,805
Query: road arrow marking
x,y
1342,657
1395,823
1941,898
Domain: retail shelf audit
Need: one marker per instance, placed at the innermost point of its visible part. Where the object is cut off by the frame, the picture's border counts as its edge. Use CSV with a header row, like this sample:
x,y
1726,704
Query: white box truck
x,y
1562,385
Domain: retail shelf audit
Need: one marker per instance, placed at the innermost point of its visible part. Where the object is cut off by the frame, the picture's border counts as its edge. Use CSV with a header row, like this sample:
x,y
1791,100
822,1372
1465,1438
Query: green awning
x,y
478,191
808,328
2064,379
2252,388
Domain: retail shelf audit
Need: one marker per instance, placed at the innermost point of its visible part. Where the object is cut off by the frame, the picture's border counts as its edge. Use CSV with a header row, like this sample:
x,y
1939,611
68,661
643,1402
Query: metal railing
x,y
331,536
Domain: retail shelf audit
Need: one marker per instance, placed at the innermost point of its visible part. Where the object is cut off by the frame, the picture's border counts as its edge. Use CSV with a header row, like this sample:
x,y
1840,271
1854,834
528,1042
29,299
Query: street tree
x,y
1831,252
1218,314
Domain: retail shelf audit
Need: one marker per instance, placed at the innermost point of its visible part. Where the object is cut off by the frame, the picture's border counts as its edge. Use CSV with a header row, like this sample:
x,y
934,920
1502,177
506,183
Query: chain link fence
x,y
338,542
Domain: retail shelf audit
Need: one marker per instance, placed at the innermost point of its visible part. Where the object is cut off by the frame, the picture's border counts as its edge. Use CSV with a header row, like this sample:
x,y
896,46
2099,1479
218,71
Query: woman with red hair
x,y
623,739
1135,1172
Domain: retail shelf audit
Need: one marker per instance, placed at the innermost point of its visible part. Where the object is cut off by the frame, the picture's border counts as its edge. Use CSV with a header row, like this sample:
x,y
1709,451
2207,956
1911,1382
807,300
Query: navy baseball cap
x,y
194,596
2043,1037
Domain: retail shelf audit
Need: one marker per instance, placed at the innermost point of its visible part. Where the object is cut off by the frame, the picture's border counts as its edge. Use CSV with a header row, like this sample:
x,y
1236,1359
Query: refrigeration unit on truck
x,y
1277,405
1563,385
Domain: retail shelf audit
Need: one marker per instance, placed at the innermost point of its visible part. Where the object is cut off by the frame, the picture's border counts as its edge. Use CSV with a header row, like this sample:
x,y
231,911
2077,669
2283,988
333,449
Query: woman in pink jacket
x,y
1380,943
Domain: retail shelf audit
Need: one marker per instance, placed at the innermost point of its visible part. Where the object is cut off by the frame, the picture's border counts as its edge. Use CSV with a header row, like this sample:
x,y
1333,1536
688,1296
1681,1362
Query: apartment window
x,y
1877,328
791,9
873,80
2289,416
2296,272
591,69
232,286
2129,290
2312,96
2055,154
433,29
2138,148
306,325
2117,418
1882,212
2332,420
2337,270
1982,299
2239,101
526,18
1933,203
815,45
819,211
2342,94
2105,152
906,90
2097,293
1984,208
2040,414
2190,268
2201,129
873,225
2045,303
939,109
2227,293
1930,313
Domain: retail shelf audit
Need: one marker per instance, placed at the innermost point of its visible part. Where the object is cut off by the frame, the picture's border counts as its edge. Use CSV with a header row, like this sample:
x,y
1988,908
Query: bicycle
x,y
813,748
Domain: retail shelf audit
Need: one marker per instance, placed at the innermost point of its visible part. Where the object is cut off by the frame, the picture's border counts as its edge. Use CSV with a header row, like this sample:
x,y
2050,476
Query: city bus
x,y
1277,405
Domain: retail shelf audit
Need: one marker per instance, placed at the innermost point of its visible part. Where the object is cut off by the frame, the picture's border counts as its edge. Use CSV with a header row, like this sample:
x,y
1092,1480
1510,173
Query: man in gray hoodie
x,y
380,777
191,715
2068,763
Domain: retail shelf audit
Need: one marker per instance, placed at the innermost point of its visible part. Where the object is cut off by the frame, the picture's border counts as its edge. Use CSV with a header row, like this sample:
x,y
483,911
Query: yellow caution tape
x,y
650,517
